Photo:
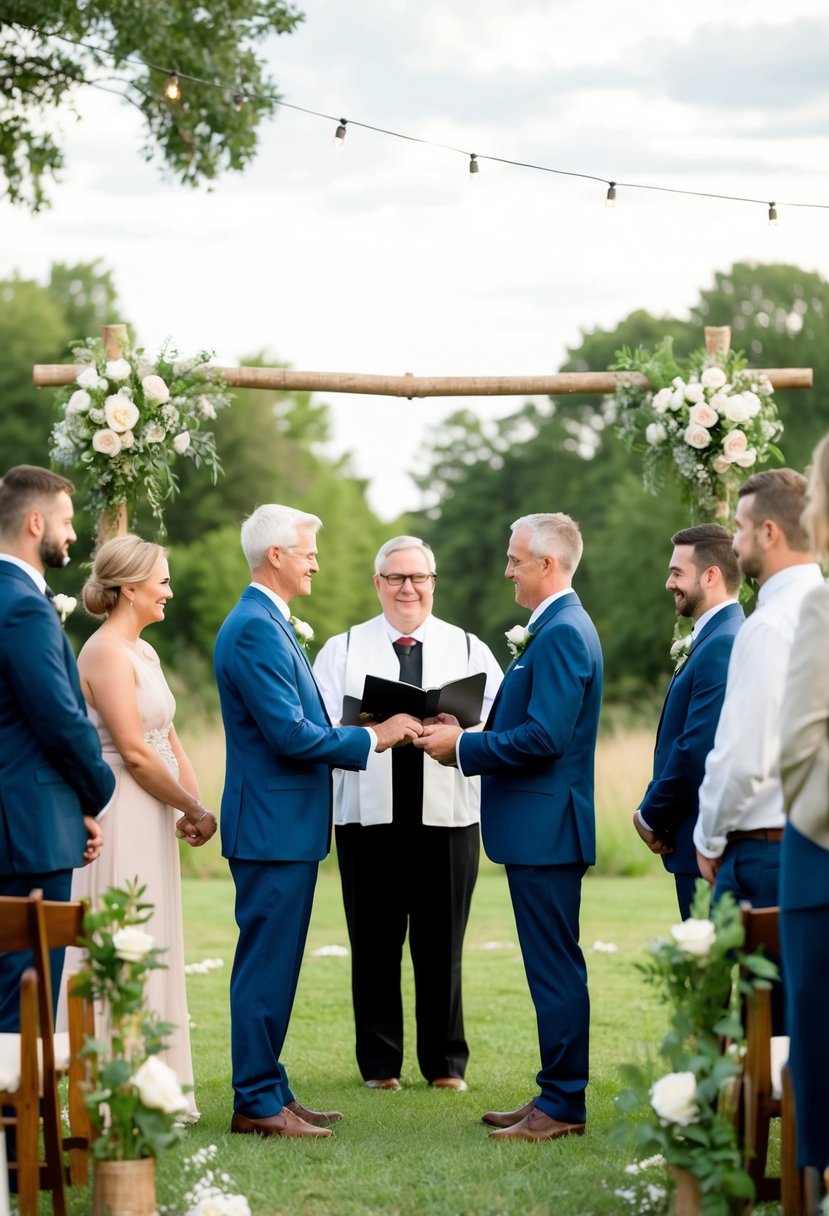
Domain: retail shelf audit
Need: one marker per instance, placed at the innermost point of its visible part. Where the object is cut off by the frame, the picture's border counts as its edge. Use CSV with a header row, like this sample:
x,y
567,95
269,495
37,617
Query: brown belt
x,y
756,834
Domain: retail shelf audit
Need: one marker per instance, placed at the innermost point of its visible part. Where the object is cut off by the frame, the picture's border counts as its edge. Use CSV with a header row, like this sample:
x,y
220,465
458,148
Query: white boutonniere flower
x,y
303,631
64,605
679,651
518,638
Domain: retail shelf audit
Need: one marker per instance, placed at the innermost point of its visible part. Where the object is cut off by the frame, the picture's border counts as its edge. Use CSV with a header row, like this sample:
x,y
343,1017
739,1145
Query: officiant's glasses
x,y
397,580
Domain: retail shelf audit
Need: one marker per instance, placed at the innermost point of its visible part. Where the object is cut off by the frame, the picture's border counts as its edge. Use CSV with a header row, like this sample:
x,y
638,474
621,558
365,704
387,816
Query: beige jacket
x,y
804,736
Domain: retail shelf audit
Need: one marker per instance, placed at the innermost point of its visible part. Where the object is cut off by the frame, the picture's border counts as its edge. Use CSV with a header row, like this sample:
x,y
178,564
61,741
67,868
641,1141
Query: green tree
x,y
50,48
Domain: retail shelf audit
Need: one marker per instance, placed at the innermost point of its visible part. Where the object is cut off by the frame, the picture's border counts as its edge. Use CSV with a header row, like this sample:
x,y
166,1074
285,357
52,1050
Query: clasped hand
x,y
396,731
440,737
196,832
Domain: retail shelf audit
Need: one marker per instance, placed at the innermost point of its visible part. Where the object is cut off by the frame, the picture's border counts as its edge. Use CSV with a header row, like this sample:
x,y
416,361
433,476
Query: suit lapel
x,y
543,621
288,630
718,619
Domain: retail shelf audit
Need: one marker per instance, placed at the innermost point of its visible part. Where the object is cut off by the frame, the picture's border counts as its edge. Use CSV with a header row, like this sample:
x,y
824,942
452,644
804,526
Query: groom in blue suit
x,y
53,778
535,757
276,808
704,579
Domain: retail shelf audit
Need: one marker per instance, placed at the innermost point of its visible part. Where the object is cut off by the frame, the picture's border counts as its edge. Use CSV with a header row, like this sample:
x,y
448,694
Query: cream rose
x,y
677,398
697,436
88,378
753,402
672,1097
79,402
107,442
206,407
154,433
132,943
694,937
181,442
746,459
127,439
158,1086
734,443
721,465
655,434
155,389
662,400
117,369
737,409
703,415
121,413
694,392
713,377
302,629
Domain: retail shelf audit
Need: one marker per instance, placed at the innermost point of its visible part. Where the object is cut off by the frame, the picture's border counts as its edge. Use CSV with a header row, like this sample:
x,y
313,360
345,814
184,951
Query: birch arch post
x,y
717,342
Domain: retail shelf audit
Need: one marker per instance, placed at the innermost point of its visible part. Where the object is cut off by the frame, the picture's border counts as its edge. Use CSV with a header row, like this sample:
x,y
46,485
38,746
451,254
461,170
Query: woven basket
x,y
124,1188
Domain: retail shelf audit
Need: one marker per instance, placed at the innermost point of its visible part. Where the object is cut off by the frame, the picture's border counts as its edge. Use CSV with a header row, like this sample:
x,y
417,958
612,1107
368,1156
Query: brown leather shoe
x,y
538,1126
319,1118
456,1083
286,1124
383,1083
508,1118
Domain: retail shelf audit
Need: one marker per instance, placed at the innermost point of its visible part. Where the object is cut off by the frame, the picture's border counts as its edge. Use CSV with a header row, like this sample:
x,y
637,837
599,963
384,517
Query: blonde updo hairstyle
x,y
119,562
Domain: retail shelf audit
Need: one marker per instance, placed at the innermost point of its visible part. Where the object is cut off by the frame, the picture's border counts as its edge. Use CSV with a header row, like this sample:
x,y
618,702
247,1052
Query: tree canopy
x,y
49,49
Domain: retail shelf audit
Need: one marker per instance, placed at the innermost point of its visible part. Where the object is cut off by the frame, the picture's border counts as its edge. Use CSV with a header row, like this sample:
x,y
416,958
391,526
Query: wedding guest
x,y
804,877
53,781
703,578
535,756
741,819
156,792
402,818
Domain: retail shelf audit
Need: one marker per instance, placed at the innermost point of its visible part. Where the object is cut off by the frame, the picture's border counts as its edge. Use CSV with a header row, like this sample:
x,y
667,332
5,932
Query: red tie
x,y
407,642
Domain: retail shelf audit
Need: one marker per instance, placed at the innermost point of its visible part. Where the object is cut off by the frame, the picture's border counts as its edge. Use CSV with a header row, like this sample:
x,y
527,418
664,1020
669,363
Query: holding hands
x,y
396,731
198,829
439,739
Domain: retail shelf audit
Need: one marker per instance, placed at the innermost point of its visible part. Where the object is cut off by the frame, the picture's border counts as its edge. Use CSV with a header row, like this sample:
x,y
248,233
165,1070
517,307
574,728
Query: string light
x,y
610,201
339,135
239,102
172,89
473,165
772,215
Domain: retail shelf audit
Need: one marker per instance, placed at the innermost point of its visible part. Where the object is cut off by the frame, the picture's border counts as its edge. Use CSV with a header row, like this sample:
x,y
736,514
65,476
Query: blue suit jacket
x,y
281,747
685,736
51,769
536,753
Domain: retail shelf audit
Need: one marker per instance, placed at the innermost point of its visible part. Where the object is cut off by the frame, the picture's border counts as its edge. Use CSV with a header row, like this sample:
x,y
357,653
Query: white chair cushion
x,y
779,1056
10,1058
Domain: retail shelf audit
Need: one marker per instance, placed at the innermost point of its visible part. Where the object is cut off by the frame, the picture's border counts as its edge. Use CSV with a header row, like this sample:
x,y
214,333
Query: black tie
x,y
407,762
410,656
49,593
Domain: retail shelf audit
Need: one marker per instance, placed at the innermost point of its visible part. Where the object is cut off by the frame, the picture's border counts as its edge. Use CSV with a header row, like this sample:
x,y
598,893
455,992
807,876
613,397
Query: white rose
x,y
721,465
678,398
703,415
753,402
206,408
181,442
302,629
694,391
734,443
662,400
64,604
106,442
154,433
746,459
713,377
132,943
182,366
672,1097
697,436
737,409
655,434
127,439
155,389
516,635
221,1205
678,382
79,402
158,1086
117,369
102,383
88,378
121,413
694,937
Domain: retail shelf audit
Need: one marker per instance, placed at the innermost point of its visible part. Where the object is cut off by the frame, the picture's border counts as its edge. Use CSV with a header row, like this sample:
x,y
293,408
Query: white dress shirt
x,y
35,575
741,790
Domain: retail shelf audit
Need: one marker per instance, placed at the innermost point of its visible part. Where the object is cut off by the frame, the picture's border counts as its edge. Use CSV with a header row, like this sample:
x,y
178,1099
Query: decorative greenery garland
x,y
125,421
710,424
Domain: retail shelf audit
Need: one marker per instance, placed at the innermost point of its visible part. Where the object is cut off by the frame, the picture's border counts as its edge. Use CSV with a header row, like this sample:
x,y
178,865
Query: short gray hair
x,y
554,535
404,542
272,524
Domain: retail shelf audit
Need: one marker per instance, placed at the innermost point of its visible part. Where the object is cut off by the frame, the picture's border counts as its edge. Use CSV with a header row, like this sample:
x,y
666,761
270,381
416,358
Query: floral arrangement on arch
x,y
680,1107
710,424
126,421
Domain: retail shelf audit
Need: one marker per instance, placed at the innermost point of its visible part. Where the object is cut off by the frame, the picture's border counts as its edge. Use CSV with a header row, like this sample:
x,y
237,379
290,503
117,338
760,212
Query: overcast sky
x,y
382,256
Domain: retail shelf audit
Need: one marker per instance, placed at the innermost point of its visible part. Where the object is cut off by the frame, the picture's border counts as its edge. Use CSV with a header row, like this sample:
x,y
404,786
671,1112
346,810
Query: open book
x,y
384,698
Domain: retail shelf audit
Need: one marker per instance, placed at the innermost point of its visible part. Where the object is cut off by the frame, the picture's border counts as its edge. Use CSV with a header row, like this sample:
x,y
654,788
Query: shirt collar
x,y
706,616
394,633
35,575
545,604
277,599
806,572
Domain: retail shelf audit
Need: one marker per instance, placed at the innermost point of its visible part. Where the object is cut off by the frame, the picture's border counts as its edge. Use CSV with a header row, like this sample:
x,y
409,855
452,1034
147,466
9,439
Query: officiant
x,y
407,833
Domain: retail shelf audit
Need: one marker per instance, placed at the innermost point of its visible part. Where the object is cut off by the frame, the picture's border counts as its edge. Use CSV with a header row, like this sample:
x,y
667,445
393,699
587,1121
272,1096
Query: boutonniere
x,y
302,631
518,639
680,648
64,605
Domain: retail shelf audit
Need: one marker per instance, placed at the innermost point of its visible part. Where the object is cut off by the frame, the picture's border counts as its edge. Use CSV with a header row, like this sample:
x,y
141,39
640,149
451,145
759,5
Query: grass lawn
x,y
419,1150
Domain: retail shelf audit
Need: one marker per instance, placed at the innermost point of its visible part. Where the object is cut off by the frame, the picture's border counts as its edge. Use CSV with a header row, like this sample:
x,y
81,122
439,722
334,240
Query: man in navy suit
x,y
53,778
536,758
704,579
276,808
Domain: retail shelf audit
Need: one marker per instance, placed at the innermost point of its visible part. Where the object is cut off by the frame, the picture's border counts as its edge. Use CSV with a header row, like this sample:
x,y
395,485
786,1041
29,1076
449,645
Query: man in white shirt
x,y
741,817
407,830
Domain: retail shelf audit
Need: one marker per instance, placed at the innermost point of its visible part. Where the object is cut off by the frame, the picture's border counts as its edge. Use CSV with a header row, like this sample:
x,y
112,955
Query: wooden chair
x,y
765,1088
34,924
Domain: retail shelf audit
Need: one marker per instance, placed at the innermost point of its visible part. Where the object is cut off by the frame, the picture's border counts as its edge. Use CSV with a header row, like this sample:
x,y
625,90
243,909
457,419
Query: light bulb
x,y
772,215
239,101
172,89
610,201
340,133
473,164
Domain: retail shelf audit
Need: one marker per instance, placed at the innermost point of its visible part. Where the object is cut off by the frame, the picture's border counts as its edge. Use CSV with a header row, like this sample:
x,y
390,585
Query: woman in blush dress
x,y
804,870
156,793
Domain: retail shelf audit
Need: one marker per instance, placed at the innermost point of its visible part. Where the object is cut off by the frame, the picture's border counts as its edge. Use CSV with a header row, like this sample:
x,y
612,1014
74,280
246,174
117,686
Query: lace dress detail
x,y
159,741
